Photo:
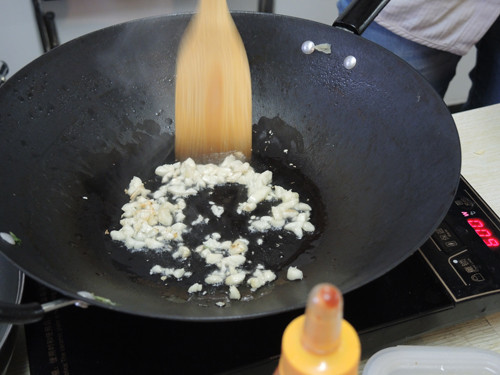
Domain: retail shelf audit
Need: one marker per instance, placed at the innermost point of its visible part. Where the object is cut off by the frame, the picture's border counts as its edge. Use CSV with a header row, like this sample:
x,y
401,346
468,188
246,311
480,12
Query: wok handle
x,y
359,14
32,312
20,314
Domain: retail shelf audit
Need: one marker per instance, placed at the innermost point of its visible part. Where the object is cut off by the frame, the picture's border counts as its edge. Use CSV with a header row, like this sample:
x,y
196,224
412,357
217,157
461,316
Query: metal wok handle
x,y
32,312
359,14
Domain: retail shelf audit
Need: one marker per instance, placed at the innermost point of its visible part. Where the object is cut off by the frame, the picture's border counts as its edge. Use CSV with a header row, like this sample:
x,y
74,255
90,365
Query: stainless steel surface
x,y
4,70
11,287
60,303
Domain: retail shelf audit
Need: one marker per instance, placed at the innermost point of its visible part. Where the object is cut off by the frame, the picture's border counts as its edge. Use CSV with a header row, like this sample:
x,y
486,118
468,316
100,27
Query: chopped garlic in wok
x,y
294,273
200,220
197,287
182,252
170,272
155,220
217,210
260,277
234,293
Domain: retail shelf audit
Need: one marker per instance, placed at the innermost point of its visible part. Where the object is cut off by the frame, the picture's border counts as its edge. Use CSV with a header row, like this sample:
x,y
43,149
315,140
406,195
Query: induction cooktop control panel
x,y
464,251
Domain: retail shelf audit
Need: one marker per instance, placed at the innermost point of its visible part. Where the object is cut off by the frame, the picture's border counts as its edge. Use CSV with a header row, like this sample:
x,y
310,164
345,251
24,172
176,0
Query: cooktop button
x,y
477,277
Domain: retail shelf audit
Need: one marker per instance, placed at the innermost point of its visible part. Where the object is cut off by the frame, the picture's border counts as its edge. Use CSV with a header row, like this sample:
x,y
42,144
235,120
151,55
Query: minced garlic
x,y
155,220
294,273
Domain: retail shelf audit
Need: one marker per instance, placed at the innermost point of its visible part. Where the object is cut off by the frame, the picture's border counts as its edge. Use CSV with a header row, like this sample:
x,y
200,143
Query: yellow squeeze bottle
x,y
320,341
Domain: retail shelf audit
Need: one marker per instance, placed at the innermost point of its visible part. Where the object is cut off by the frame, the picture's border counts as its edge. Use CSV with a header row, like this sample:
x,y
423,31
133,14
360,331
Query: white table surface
x,y
479,132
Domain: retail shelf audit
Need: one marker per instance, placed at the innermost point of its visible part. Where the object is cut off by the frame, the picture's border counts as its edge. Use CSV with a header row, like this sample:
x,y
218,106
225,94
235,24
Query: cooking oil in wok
x,y
275,250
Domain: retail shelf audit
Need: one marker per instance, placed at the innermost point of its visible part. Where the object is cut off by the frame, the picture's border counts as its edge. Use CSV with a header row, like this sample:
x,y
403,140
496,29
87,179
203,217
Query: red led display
x,y
482,231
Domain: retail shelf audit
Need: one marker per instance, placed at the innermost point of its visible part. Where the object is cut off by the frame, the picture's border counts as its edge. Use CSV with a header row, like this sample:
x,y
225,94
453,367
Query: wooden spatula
x,y
213,96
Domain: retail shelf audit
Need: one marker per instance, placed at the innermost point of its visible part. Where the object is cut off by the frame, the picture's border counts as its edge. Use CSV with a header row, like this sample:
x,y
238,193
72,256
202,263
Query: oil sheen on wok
x,y
221,232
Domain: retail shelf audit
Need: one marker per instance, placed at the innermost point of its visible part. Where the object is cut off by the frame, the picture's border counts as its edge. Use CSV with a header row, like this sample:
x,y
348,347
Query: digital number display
x,y
484,232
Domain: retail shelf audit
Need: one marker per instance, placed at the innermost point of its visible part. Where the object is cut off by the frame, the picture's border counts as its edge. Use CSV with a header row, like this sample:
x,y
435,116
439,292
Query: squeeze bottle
x,y
320,341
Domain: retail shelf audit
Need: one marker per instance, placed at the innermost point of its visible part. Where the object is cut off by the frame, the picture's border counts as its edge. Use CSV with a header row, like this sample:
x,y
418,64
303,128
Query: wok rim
x,y
299,305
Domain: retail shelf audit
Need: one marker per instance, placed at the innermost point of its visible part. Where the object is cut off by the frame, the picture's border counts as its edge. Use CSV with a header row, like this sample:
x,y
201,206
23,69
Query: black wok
x,y
375,149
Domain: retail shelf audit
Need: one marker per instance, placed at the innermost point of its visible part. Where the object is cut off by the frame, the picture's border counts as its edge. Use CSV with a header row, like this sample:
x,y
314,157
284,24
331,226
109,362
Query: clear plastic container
x,y
433,360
